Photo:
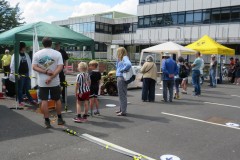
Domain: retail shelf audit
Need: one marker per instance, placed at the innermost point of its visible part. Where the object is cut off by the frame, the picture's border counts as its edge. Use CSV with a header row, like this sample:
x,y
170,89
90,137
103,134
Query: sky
x,y
52,10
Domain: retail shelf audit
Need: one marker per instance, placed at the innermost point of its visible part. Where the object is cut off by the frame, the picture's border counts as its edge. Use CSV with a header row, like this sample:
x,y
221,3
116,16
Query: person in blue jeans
x,y
169,70
196,74
213,70
24,71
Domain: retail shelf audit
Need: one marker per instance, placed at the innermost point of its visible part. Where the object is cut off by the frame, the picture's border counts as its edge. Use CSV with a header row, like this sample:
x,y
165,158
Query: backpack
x,y
183,72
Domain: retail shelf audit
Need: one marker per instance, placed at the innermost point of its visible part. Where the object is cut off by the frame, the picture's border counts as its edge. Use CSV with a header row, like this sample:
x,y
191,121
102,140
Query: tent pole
x,y
92,50
140,62
216,76
16,62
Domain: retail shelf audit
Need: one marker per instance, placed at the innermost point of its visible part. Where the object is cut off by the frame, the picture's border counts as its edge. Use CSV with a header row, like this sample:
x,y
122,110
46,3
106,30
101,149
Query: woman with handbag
x,y
149,70
123,65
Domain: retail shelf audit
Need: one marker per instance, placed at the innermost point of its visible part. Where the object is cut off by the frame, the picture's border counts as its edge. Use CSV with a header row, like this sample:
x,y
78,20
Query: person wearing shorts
x,y
95,77
48,64
82,92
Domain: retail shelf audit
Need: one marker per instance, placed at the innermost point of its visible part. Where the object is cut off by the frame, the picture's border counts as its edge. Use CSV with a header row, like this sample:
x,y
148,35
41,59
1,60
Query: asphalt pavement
x,y
192,128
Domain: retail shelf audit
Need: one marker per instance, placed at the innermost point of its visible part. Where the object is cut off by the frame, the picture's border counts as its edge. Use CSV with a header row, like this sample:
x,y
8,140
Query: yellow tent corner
x,y
206,45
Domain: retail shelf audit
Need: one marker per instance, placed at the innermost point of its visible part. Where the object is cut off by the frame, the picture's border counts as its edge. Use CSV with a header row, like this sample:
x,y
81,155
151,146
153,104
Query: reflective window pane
x,y
235,15
216,15
174,18
153,21
206,17
167,20
181,18
189,17
225,14
197,16
146,21
159,21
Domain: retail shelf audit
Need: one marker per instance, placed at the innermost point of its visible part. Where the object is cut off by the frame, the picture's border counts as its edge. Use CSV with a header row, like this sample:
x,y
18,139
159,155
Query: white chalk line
x,y
219,104
235,96
199,120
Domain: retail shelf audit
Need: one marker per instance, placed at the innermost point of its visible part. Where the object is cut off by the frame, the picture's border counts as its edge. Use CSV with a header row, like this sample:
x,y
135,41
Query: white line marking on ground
x,y
219,104
235,96
158,94
198,120
114,147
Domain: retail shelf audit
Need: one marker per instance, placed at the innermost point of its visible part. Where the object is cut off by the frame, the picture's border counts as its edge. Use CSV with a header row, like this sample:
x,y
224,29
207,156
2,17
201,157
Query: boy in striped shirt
x,y
82,92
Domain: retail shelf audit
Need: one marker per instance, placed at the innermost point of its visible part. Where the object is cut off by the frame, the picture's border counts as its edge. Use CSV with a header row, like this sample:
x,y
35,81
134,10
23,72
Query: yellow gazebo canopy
x,y
206,45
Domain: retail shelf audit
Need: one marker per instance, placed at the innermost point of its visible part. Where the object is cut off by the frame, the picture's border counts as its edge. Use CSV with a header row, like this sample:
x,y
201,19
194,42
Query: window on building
x,y
197,16
106,28
189,17
235,15
140,22
206,16
92,29
167,20
225,14
146,21
147,1
181,18
159,21
134,27
141,1
153,21
110,29
174,18
216,15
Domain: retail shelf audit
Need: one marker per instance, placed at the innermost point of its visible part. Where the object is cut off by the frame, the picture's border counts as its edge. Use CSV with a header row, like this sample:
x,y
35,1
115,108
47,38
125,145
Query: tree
x,y
10,17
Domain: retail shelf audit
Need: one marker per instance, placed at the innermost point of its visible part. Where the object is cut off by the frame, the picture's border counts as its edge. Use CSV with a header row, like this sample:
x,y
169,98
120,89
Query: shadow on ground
x,y
14,125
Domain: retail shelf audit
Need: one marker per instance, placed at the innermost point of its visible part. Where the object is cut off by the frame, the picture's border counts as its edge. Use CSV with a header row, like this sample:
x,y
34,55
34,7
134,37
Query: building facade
x,y
158,21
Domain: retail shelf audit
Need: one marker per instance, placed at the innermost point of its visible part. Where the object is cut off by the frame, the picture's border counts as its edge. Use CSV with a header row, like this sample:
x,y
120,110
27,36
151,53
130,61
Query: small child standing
x,y
95,77
82,92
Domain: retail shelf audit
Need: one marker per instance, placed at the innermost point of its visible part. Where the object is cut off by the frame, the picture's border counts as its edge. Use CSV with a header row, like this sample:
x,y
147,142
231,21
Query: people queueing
x,y
178,78
48,63
82,92
169,70
213,70
185,79
237,71
24,73
6,61
123,65
196,74
62,73
95,77
231,71
149,71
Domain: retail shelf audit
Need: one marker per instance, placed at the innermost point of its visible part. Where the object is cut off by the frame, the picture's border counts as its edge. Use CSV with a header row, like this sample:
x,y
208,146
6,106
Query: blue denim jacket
x,y
123,66
169,66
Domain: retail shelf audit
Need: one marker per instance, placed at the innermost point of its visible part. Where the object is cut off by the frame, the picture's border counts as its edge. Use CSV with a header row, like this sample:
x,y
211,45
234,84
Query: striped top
x,y
83,80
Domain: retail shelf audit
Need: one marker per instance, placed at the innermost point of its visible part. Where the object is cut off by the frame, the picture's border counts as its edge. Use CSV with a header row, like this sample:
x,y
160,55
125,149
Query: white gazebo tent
x,y
169,47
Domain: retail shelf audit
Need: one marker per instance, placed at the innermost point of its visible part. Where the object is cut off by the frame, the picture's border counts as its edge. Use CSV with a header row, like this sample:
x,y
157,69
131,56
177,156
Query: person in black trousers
x,y
62,76
149,70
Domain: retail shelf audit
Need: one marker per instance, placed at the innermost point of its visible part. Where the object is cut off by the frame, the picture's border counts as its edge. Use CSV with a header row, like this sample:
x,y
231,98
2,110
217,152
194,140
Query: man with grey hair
x,y
149,79
169,70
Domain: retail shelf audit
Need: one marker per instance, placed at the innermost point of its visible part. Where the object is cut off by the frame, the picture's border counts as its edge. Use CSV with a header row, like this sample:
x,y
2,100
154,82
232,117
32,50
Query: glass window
x,y
174,18
167,19
85,27
146,21
225,14
147,1
189,17
92,28
181,18
96,46
153,21
206,16
140,21
110,29
235,15
159,21
105,28
101,27
198,16
141,1
134,27
216,15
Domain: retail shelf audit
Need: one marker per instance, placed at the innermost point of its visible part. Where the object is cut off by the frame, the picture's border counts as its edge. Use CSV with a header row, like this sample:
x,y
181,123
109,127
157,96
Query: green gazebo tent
x,y
56,33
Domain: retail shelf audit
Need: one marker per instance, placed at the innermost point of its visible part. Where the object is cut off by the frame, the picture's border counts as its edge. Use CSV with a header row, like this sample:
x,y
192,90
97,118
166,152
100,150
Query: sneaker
x,y
118,111
34,102
184,92
85,116
21,104
96,113
47,124
78,120
61,121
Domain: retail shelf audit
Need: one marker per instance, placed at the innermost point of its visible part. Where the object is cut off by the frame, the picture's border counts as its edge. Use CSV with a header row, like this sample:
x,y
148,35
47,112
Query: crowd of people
x,y
49,66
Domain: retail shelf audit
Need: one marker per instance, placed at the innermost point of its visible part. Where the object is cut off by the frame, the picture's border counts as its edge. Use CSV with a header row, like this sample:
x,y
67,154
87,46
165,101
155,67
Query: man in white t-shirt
x,y
48,63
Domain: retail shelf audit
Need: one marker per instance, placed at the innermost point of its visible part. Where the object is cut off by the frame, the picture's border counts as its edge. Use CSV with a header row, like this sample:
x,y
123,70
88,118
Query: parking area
x,y
192,128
